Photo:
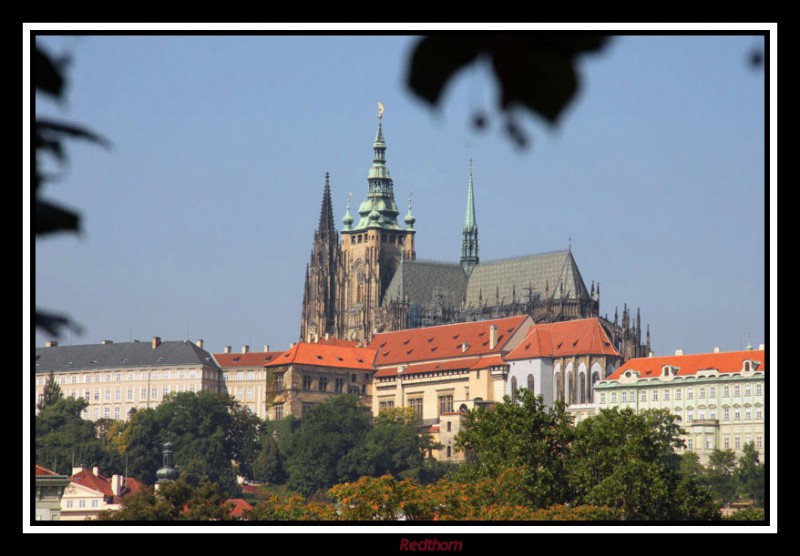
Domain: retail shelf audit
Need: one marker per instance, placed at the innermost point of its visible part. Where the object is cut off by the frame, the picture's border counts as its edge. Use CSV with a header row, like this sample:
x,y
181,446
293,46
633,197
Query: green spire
x,y
409,219
379,209
469,241
348,219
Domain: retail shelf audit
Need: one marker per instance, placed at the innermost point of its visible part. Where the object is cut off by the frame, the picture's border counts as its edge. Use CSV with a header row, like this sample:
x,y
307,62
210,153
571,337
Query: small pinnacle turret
x,y
469,241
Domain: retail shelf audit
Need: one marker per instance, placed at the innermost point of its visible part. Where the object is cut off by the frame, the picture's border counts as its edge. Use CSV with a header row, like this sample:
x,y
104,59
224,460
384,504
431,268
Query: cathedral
x,y
369,280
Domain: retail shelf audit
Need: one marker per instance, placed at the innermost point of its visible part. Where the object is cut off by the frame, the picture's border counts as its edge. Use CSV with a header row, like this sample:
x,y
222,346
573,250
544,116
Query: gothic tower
x,y
371,251
469,241
319,294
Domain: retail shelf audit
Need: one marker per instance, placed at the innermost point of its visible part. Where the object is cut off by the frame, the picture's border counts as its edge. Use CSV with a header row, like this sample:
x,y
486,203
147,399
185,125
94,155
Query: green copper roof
x,y
379,209
469,240
348,219
409,219
469,217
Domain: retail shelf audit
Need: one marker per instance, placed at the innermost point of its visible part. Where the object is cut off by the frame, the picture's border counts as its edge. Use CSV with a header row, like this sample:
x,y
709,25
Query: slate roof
x,y
574,337
724,362
425,281
122,355
543,273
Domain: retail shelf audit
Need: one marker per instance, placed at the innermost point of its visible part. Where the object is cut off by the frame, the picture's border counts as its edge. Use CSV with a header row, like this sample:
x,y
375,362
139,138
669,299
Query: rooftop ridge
x,y
431,261
412,330
493,261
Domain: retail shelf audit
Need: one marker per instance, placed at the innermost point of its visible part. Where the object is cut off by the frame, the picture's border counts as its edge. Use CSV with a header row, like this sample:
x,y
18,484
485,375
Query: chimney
x,y
650,354
199,343
96,471
492,336
227,349
245,348
316,337
76,470
761,347
716,349
327,335
266,347
116,484
678,352
107,342
51,343
156,341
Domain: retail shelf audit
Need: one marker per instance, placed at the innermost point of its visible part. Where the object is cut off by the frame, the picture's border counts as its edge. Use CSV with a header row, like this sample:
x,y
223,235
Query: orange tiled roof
x,y
486,362
574,337
132,486
249,359
443,342
450,365
44,471
238,506
86,478
724,362
325,355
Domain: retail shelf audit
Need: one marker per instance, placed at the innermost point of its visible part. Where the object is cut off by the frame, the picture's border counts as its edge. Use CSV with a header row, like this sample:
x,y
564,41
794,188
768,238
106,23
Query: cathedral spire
x,y
469,241
326,228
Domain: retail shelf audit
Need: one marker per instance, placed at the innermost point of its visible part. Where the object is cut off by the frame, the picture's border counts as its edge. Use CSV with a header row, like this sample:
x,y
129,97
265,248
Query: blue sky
x,y
199,222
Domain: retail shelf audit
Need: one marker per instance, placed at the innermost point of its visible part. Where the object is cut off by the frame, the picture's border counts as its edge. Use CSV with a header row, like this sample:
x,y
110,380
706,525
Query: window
x,y
338,385
416,405
165,375
95,413
366,377
737,442
747,414
74,379
143,393
613,397
164,391
180,374
250,393
353,378
154,392
758,389
108,377
130,393
513,388
449,448
726,391
130,376
623,397
736,390
69,503
98,377
95,503
363,389
449,426
107,412
530,383
322,384
116,412
40,381
690,393
702,394
746,389
81,503
712,391
655,395
737,415
643,396
192,374
726,413
666,395
97,395
306,382
63,380
758,442
180,387
689,416
87,379
278,411
239,393
701,414
225,377
107,394
726,442
279,381
758,413
446,404
117,394
87,395
690,444
386,404
709,443
713,414
603,397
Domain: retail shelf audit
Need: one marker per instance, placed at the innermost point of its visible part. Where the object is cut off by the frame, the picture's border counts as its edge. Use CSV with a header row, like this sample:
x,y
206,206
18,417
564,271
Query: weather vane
x,y
380,111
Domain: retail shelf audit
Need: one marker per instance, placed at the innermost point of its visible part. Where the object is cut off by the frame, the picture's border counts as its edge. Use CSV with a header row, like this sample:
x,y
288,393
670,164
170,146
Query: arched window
x,y
530,383
595,378
462,408
559,385
570,397
582,388
513,389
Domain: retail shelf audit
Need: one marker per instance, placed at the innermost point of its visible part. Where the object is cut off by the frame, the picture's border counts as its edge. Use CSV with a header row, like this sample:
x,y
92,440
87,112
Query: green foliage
x,y
747,514
173,501
720,476
750,475
52,392
324,449
268,465
535,71
524,434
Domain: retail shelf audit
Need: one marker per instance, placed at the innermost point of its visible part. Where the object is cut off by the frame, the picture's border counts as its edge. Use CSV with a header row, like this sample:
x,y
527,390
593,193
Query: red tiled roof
x,y
238,506
86,478
574,337
443,342
249,359
324,355
724,362
450,365
486,362
44,471
132,486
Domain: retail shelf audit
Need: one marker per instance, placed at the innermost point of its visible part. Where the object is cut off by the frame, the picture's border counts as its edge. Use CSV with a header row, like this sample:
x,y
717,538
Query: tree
x,y
323,450
750,475
720,476
52,392
626,461
268,465
173,501
522,434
